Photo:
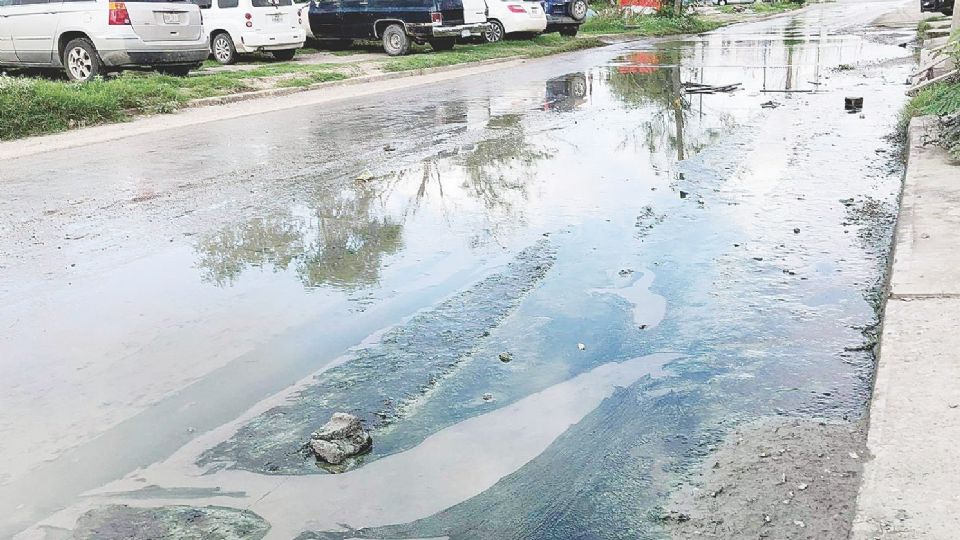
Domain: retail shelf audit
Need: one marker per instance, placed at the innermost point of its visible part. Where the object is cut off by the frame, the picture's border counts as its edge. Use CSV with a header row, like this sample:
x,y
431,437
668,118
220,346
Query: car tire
x,y
396,42
443,44
177,71
81,60
223,49
285,55
569,31
495,32
578,10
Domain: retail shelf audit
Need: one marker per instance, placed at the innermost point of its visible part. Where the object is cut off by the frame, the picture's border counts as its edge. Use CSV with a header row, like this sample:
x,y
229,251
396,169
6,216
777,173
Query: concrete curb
x,y
911,487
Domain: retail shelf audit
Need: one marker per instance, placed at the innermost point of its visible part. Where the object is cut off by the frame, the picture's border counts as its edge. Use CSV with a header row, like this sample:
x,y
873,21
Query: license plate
x,y
171,18
277,17
464,33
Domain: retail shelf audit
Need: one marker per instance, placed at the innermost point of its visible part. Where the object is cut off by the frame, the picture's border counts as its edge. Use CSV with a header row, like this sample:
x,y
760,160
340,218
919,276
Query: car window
x,y
5,3
271,3
29,2
227,4
203,4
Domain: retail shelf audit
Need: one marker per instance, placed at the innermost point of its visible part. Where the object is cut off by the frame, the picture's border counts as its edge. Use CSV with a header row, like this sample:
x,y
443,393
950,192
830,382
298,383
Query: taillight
x,y
248,16
118,14
436,17
513,8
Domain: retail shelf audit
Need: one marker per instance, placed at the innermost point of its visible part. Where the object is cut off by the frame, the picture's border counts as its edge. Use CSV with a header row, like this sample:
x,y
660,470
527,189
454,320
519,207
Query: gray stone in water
x,y
340,438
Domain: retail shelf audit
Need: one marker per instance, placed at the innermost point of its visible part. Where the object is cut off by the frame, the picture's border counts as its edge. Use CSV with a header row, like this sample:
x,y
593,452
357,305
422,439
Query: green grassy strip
x,y
764,7
545,45
611,22
939,99
37,106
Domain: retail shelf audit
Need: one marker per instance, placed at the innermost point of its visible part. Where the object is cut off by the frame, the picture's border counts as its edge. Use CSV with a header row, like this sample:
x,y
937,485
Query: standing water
x,y
660,267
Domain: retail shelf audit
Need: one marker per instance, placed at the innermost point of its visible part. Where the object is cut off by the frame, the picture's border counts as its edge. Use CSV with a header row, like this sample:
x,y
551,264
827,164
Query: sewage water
x,y
720,261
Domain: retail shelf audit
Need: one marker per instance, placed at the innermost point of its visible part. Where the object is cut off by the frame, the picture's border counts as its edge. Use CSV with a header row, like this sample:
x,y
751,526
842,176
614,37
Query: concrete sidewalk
x,y
911,487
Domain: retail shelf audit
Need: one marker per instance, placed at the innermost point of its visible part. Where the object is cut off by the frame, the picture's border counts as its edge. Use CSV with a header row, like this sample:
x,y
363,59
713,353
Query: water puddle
x,y
660,265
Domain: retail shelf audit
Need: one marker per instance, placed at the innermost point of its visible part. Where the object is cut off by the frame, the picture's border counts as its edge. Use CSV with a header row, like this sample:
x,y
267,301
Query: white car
x,y
92,37
514,17
247,26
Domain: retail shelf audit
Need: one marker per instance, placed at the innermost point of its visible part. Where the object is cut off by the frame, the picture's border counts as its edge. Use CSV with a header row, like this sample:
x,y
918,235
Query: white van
x,y
91,37
247,26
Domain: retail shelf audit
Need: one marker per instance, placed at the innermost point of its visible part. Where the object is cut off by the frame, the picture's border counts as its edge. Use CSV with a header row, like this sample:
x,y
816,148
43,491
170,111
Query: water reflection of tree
x,y
660,88
495,171
341,241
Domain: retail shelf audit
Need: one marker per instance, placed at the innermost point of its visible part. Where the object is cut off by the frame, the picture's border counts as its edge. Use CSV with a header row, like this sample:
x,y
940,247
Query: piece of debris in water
x,y
340,438
505,357
699,88
770,104
487,396
581,346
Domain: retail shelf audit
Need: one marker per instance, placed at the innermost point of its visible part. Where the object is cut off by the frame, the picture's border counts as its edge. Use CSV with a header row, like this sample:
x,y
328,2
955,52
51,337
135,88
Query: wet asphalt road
x,y
719,259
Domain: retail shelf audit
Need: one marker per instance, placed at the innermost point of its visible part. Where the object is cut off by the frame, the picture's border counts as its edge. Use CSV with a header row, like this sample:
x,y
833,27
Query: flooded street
x,y
181,310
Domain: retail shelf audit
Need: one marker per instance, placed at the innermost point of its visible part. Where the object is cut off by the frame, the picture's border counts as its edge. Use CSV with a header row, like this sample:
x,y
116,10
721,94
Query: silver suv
x,y
91,37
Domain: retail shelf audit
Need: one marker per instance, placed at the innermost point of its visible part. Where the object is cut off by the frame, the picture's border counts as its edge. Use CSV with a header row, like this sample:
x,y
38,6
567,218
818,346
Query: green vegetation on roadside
x,y
36,105
531,48
764,7
942,100
609,21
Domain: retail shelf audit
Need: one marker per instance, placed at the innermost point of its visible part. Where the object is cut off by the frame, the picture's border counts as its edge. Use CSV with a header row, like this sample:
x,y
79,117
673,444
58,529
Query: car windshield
x,y
271,3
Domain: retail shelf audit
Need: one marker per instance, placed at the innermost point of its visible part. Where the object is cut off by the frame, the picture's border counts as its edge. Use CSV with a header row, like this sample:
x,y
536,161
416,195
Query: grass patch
x,y
941,100
37,106
764,7
611,22
540,46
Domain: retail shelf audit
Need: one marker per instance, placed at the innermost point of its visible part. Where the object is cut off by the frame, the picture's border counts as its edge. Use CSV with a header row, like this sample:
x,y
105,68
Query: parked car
x,y
398,23
247,26
88,38
565,16
514,17
933,6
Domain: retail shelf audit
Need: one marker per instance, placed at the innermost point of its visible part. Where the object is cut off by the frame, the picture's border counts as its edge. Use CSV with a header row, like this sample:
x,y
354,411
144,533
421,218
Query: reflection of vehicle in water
x,y
566,93
725,2
943,6
565,16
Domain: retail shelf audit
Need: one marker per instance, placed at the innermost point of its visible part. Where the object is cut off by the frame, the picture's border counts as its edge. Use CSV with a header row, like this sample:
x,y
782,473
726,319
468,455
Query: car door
x,y
7,53
325,19
34,28
355,18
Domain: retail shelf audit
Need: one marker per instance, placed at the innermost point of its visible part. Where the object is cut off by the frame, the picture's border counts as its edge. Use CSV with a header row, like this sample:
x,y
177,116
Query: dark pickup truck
x,y
398,23
933,6
565,16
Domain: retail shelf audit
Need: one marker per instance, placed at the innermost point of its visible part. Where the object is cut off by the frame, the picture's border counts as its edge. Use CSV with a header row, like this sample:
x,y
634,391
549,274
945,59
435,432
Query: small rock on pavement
x,y
505,357
487,396
342,437
581,346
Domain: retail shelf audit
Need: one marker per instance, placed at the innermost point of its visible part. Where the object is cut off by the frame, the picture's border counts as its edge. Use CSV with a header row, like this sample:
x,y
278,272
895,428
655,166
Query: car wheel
x,y
443,44
578,10
396,42
578,86
223,49
285,55
495,32
569,31
177,71
81,60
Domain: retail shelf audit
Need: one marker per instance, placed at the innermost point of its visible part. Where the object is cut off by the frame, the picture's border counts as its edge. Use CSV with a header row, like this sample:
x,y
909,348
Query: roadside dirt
x,y
774,478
